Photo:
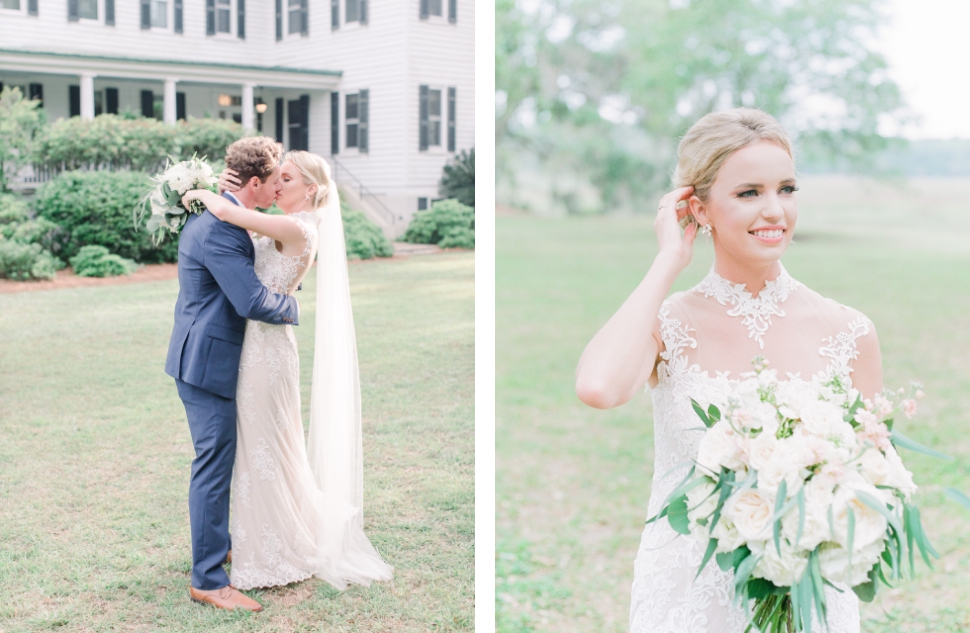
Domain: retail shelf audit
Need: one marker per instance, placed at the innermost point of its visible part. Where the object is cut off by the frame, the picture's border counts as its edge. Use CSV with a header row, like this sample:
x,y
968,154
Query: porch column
x,y
247,106
87,96
169,109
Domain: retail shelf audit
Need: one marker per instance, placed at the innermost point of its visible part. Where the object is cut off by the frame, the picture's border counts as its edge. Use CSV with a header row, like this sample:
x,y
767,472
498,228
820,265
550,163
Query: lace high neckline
x,y
756,311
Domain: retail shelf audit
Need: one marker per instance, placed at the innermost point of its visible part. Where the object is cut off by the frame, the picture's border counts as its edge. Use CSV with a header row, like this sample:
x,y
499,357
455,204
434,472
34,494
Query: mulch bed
x,y
158,272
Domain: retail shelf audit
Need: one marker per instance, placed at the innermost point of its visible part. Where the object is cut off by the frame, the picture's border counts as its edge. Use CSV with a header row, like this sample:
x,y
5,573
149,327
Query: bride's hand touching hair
x,y
671,216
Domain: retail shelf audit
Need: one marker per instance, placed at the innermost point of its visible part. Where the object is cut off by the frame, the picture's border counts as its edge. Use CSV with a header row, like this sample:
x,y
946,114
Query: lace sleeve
x,y
310,236
676,339
843,348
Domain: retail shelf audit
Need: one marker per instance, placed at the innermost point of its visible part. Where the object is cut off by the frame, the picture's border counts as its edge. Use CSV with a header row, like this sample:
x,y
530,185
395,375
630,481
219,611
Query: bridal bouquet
x,y
796,486
168,215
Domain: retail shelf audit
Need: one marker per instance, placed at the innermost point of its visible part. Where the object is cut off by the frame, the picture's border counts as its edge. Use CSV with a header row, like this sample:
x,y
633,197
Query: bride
x,y
296,506
736,175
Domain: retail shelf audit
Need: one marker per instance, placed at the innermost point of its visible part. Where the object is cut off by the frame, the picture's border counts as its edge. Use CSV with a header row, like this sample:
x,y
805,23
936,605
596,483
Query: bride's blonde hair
x,y
315,171
716,136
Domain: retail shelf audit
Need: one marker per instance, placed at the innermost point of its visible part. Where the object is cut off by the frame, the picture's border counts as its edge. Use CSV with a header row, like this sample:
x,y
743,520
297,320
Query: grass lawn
x,y
95,458
572,483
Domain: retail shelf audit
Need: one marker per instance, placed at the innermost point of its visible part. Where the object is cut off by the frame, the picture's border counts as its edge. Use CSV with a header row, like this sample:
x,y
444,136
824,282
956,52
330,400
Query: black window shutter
x,y
147,103
111,100
363,11
363,118
178,16
109,12
241,15
425,9
304,22
453,11
422,118
146,14
36,91
72,14
334,14
75,99
334,122
299,110
279,21
279,119
31,7
210,17
180,106
451,119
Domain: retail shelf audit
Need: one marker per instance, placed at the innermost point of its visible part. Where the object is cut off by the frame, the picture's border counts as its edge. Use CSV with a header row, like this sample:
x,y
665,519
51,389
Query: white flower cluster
x,y
796,432
168,214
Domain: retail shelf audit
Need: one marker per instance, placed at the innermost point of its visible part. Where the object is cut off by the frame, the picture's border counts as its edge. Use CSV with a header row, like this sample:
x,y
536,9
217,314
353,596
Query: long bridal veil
x,y
334,446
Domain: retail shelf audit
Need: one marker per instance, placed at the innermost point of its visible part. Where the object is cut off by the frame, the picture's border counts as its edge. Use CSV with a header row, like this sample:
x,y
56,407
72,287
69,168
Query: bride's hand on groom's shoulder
x,y
229,181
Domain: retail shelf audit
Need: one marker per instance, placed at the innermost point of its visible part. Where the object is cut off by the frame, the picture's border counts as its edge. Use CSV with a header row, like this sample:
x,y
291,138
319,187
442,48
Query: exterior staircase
x,y
359,197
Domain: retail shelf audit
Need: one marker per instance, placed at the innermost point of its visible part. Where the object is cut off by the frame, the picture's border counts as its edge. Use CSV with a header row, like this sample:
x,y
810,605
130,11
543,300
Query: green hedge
x,y
448,223
364,239
96,261
26,261
115,142
97,208
25,244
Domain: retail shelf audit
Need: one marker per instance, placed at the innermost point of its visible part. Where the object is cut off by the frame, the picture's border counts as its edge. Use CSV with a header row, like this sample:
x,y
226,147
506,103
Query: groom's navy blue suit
x,y
218,291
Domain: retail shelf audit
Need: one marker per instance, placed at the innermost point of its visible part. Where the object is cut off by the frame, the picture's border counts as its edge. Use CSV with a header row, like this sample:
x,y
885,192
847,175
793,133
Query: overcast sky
x,y
927,44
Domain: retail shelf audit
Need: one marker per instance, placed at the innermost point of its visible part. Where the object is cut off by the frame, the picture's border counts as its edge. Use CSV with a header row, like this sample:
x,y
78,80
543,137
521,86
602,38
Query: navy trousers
x,y
212,423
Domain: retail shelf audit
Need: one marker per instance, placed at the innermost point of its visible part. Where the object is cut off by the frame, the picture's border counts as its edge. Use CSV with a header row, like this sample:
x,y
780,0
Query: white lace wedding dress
x,y
279,524
710,334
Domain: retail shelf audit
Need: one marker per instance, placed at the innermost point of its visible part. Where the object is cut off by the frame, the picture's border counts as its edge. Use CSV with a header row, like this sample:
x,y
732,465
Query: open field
x,y
572,483
95,457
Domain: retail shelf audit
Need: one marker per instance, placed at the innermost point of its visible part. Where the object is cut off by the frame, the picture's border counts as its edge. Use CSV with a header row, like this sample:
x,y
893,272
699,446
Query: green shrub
x,y
106,142
13,211
448,223
364,238
114,142
96,261
26,261
208,137
96,208
21,121
458,178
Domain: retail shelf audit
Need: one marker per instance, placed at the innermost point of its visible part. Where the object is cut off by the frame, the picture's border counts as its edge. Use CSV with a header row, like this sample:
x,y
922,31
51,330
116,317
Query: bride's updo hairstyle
x,y
315,171
716,136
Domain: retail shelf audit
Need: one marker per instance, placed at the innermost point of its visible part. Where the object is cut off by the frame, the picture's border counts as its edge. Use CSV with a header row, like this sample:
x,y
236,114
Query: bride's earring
x,y
307,197
706,230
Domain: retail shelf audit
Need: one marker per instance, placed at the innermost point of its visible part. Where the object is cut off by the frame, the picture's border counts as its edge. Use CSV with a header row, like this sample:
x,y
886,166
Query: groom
x,y
218,291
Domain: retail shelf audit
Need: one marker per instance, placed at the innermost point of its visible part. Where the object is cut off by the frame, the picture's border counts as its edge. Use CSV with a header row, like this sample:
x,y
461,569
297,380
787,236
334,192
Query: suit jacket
x,y
218,291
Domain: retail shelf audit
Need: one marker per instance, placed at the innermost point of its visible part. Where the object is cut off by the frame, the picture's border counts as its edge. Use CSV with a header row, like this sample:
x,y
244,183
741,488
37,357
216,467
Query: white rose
x,y
834,561
787,462
822,418
870,525
750,511
899,477
760,450
875,467
783,570
720,446
700,505
727,535
815,524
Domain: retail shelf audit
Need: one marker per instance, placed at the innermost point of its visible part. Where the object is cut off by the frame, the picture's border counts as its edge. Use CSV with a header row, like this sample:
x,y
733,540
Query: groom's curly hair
x,y
254,156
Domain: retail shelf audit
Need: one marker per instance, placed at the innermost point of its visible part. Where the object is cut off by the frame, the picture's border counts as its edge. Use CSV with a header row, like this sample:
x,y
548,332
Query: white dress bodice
x,y
666,598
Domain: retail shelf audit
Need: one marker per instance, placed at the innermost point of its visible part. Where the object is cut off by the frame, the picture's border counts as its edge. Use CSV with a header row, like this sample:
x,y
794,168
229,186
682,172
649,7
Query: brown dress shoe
x,y
227,598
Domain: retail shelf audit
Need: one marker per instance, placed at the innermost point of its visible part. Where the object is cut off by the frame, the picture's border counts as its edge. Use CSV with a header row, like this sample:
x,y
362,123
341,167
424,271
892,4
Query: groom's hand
x,y
229,181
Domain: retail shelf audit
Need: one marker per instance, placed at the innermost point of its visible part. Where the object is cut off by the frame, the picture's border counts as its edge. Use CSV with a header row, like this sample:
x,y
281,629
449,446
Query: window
x,y
10,4
434,7
160,14
224,16
351,116
87,9
435,10
353,11
434,118
422,204
295,16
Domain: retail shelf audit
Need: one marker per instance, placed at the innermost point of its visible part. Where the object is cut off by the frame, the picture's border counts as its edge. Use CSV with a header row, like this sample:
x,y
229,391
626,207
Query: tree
x,y
615,84
20,120
458,178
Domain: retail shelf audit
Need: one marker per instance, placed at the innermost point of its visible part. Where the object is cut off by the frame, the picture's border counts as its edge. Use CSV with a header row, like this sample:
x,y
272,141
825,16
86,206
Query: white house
x,y
384,89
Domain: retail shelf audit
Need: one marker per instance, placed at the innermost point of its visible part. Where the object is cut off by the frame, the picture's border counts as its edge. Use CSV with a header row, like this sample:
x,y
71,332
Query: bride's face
x,y
751,206
293,189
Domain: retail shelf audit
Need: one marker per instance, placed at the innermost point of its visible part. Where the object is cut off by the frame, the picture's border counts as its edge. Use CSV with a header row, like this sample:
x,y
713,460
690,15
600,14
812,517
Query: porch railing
x,y
341,174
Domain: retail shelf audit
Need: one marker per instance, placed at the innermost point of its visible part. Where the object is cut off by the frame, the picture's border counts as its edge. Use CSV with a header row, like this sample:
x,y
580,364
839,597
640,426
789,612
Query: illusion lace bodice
x,y
283,273
710,334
